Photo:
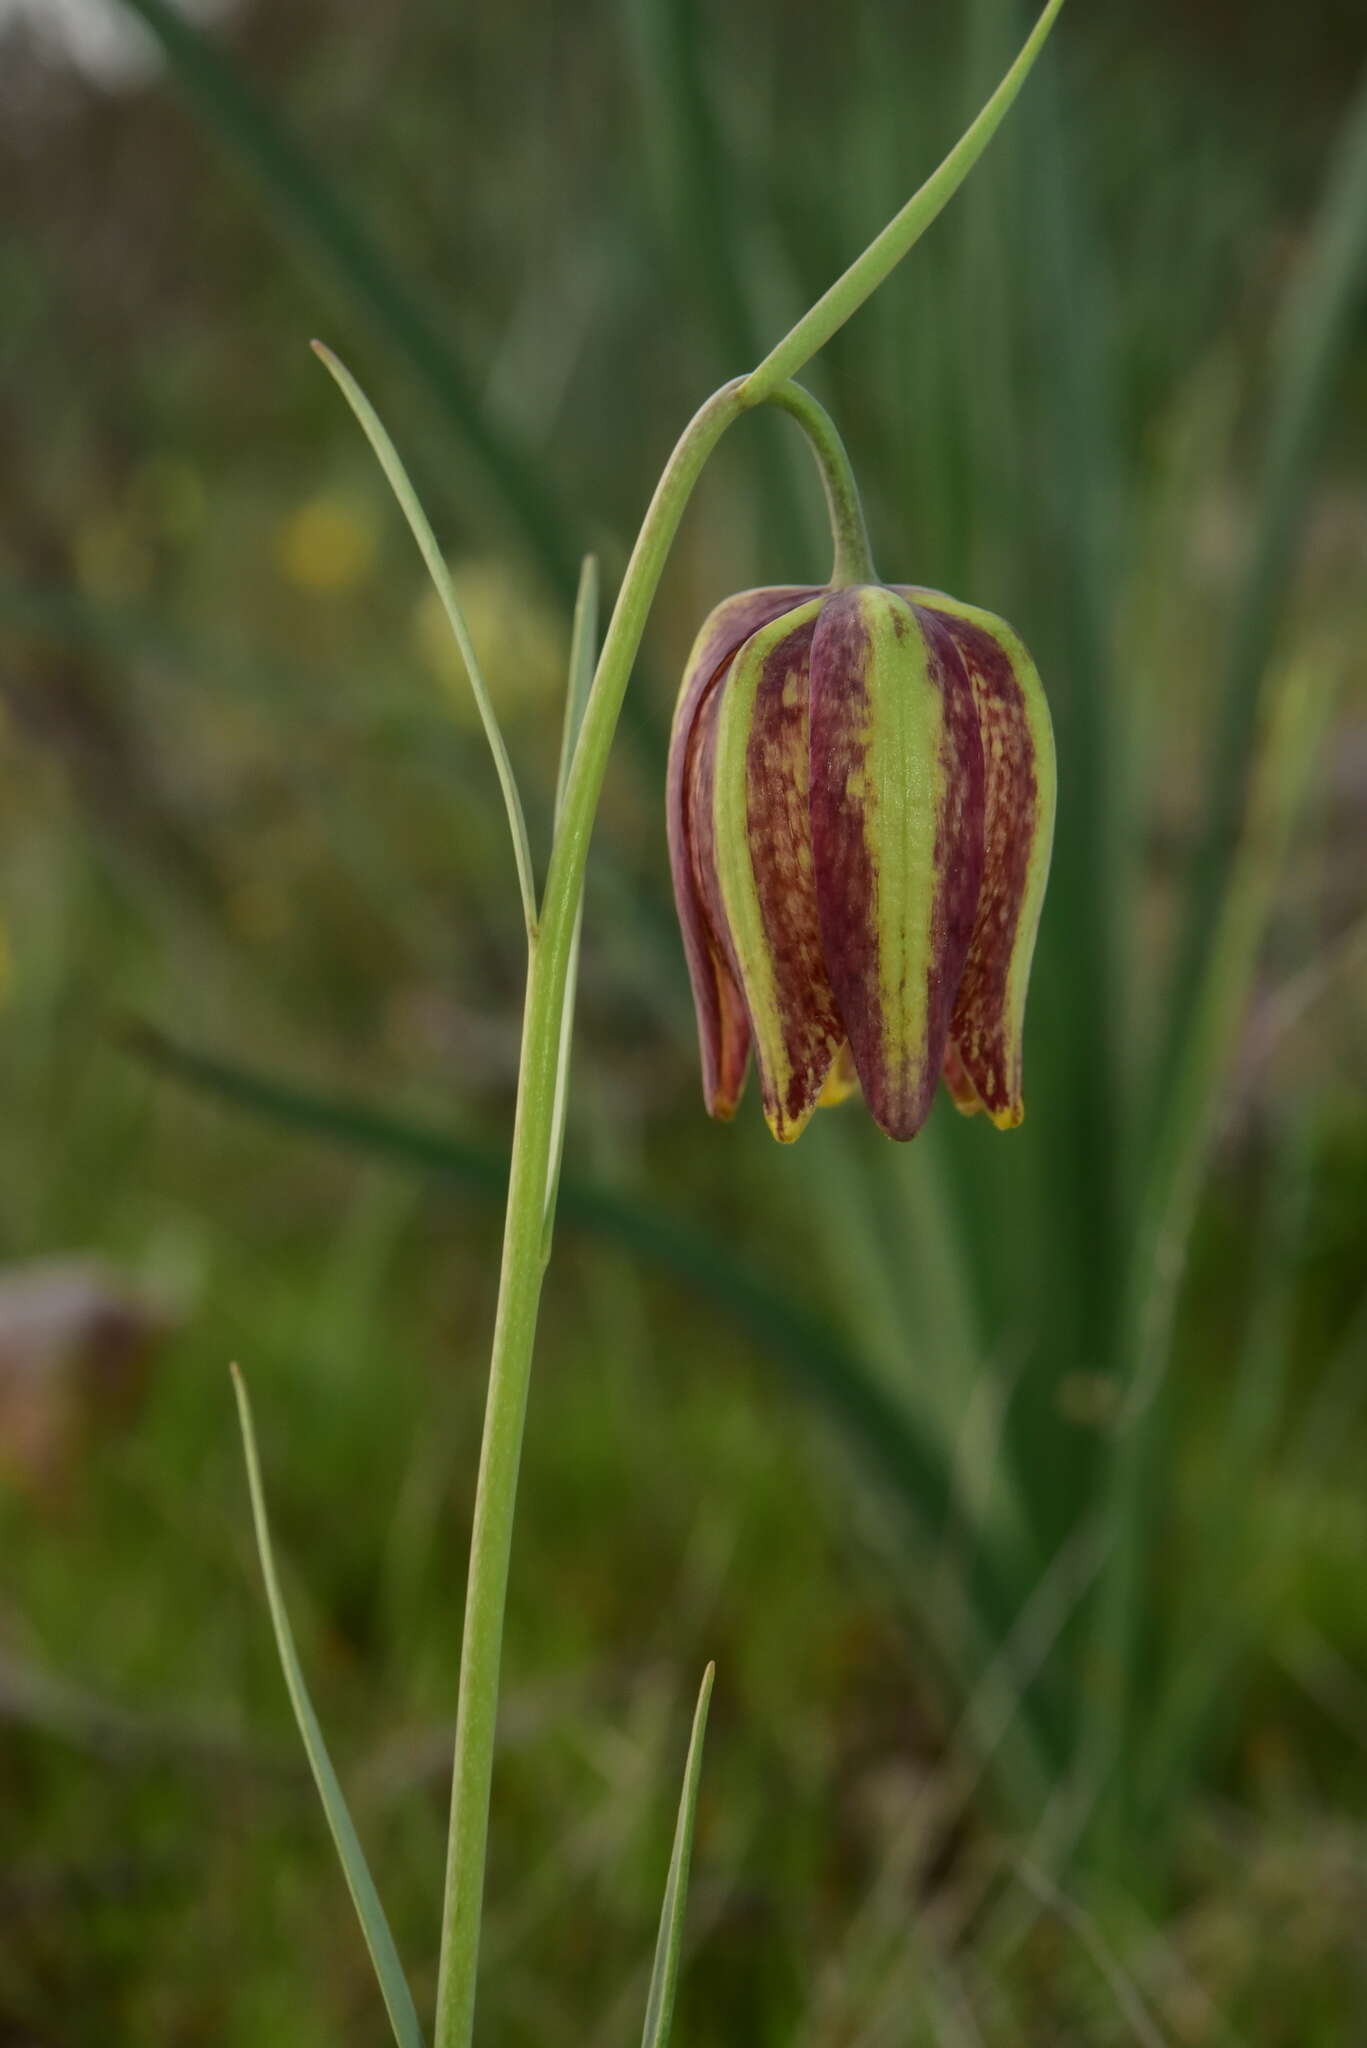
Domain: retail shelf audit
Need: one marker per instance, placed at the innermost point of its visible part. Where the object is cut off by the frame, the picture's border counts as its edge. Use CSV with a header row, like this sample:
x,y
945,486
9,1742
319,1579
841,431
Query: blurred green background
x,y
1015,1483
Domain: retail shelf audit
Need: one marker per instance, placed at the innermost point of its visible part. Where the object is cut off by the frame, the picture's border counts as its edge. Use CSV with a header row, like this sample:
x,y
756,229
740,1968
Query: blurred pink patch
x,y
76,1346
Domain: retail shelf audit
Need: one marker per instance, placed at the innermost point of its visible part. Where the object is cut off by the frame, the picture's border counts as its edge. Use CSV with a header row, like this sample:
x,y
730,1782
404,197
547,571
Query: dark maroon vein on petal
x,y
961,1091
723,1028
731,624
960,858
899,1079
845,882
722,1031
989,1050
780,846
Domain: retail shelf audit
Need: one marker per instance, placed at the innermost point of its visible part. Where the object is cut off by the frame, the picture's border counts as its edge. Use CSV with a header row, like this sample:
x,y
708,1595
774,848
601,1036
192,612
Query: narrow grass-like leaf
x,y
1122,1987
382,708
305,200
1084,1199
401,485
1196,1696
700,193
887,249
822,1362
1294,720
388,1970
664,1978
1314,340
583,655
913,1465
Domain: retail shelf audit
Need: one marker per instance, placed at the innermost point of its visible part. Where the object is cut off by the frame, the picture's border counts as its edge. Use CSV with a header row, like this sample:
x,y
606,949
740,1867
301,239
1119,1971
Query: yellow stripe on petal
x,y
723,1033
763,854
1018,754
896,809
961,1091
841,1082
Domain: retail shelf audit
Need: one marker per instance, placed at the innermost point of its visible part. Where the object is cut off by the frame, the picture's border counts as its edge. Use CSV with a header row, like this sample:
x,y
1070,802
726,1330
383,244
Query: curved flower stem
x,y
853,557
524,1240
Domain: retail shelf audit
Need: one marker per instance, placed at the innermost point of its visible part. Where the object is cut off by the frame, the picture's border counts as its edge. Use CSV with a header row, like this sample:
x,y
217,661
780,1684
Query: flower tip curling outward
x,y
860,808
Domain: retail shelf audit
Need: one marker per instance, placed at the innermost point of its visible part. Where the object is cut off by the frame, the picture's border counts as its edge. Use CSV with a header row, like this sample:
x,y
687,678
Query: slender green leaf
x,y
1091,897
1293,723
401,485
1314,341
383,1954
583,658
384,706
915,1466
664,1978
700,193
1197,1697
906,227
305,200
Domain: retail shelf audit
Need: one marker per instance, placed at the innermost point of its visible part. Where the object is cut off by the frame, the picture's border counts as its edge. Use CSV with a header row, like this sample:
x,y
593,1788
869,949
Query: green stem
x,y
583,651
853,557
534,1133
551,955
523,1261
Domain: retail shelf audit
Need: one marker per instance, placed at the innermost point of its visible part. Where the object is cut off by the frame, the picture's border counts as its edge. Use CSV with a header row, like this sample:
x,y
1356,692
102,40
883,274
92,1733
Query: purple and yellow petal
x,y
723,1032
861,805
960,1089
1018,755
725,630
897,830
723,1027
841,1081
762,831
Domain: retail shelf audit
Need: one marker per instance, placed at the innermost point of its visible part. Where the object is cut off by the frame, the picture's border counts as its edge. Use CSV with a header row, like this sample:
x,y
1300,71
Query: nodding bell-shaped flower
x,y
861,810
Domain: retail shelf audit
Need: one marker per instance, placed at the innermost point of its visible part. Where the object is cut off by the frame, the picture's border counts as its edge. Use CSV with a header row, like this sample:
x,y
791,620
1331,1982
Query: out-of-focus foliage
x,y
853,1421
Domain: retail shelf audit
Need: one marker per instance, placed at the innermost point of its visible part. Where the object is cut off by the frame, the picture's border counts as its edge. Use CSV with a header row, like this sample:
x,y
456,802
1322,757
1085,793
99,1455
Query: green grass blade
x,y
914,1466
1091,907
382,709
887,249
583,658
1216,1627
480,1169
305,200
383,1954
401,484
1293,724
819,1359
1315,339
664,1978
701,195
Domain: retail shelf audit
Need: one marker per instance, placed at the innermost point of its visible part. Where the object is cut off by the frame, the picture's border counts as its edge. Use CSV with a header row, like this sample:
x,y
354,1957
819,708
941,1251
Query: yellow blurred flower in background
x,y
328,544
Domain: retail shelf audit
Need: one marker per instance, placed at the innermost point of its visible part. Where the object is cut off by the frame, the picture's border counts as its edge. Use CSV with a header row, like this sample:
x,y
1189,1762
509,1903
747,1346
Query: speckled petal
x,y
762,838
723,1032
1018,755
723,1027
897,824
960,1089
